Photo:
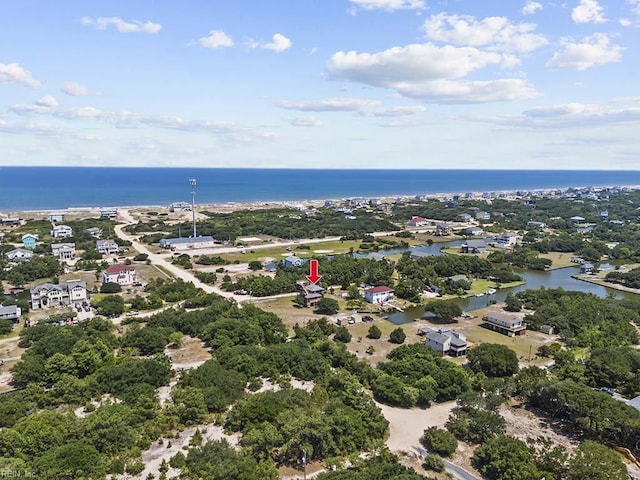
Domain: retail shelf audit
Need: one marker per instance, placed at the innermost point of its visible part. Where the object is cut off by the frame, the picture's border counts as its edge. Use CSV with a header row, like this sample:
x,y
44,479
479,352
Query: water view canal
x,y
534,279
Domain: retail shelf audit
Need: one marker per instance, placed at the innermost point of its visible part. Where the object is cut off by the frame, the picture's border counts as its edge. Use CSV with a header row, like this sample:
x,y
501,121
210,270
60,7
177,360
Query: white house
x,y
49,295
94,231
186,243
61,231
107,247
120,274
55,217
483,215
64,251
446,341
19,255
378,294
506,240
180,207
417,222
10,312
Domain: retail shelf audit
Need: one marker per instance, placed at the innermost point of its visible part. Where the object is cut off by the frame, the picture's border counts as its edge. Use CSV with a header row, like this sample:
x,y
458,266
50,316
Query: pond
x,y
534,279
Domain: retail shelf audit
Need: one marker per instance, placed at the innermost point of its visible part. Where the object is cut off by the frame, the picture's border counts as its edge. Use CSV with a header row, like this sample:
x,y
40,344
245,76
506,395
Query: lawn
x,y
560,260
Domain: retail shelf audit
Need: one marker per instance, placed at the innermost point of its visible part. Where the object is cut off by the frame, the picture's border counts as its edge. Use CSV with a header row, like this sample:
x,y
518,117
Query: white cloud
x,y
531,7
568,115
593,50
389,5
216,39
123,26
279,43
307,121
75,89
635,6
47,101
588,11
338,104
14,73
401,111
431,73
496,32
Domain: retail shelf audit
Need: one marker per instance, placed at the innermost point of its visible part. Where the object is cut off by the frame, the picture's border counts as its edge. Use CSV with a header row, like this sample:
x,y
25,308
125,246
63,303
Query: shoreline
x,y
309,202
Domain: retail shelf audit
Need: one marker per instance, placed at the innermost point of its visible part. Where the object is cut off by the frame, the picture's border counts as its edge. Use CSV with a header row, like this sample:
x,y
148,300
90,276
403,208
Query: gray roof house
x,y
185,243
446,341
473,246
10,312
48,295
292,261
19,255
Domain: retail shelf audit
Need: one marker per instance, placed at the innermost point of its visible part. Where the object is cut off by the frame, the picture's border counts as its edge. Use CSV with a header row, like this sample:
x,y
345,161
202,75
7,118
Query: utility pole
x,y
304,462
192,182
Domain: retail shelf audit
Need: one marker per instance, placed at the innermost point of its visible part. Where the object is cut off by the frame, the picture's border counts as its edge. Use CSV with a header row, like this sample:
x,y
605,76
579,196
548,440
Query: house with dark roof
x,y
446,341
507,324
442,229
310,293
49,295
378,295
473,246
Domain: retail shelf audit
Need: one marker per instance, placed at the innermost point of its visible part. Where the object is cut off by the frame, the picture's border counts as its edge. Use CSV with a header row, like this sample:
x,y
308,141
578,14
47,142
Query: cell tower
x,y
192,182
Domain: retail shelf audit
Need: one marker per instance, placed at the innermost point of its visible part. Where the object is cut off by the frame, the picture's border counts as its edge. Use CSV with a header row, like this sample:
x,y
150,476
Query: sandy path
x,y
407,425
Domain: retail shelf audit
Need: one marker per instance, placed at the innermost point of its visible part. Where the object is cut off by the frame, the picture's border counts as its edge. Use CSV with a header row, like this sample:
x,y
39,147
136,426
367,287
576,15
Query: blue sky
x,y
321,83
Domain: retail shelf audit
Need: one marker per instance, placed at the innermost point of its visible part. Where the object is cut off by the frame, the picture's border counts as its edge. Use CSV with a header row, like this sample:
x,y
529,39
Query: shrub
x,y
397,336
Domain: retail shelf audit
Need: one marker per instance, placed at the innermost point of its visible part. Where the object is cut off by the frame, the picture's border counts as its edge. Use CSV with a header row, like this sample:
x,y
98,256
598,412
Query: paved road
x,y
455,470
160,260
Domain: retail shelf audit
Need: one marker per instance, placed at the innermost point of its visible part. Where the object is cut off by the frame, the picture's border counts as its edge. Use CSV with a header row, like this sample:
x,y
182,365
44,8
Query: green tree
x,y
494,360
342,335
190,404
112,305
255,265
506,458
110,287
374,332
439,441
327,306
596,462
512,303
397,336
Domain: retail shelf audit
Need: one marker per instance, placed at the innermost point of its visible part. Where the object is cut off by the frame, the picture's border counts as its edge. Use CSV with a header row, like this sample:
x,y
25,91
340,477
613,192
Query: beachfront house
x,y
64,251
293,261
417,222
107,247
310,293
29,240
108,213
505,323
10,312
19,255
120,274
55,217
378,295
49,295
180,207
473,246
61,231
10,221
446,341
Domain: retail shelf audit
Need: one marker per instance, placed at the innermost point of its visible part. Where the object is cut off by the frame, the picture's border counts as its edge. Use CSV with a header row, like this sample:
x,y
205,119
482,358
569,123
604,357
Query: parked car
x,y
367,318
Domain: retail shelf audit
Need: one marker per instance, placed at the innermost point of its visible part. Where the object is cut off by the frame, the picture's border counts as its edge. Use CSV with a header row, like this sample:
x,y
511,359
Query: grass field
x,y
560,260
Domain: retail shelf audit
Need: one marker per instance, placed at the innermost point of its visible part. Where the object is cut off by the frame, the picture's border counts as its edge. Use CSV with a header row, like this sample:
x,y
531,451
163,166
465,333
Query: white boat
x,y
491,291
479,295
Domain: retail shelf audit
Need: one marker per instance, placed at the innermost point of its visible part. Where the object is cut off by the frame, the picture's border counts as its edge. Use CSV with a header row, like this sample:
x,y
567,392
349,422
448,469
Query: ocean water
x,y
35,188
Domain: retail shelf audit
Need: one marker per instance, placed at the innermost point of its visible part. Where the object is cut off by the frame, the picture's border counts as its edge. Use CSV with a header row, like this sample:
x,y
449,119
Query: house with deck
x,y
61,231
506,240
310,293
64,251
19,255
50,295
473,246
475,231
10,312
445,341
120,274
586,268
107,247
29,240
443,229
505,323
378,295
94,231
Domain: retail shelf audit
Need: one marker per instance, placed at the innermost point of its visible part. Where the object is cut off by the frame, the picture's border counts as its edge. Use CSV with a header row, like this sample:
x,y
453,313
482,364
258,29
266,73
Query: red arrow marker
x,y
313,271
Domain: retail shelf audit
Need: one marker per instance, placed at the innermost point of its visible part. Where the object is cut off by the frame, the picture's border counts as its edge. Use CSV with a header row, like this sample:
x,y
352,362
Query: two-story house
x,y
19,255
378,295
61,231
64,251
49,295
107,247
29,240
120,274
